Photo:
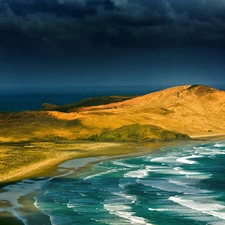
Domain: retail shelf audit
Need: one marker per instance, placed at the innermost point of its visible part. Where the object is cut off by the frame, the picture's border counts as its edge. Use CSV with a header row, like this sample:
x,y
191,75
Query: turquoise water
x,y
183,185
177,185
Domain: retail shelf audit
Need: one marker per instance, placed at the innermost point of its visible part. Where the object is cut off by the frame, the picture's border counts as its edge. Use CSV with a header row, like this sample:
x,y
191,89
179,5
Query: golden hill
x,y
193,110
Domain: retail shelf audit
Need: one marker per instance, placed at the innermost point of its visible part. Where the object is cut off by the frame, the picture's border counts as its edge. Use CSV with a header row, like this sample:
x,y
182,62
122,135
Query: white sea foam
x,y
161,170
197,176
183,172
219,145
186,159
169,159
159,210
202,176
178,182
117,207
70,206
153,168
100,174
141,173
198,148
126,196
177,168
214,150
192,174
36,204
118,163
190,189
209,208
124,211
169,186
39,208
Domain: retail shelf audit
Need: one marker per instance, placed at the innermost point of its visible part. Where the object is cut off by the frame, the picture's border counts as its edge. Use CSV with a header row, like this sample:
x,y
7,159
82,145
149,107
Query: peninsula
x,y
32,140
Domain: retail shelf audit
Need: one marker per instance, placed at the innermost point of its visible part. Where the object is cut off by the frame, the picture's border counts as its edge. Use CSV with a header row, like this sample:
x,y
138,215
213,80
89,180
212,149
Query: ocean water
x,y
21,99
176,185
16,100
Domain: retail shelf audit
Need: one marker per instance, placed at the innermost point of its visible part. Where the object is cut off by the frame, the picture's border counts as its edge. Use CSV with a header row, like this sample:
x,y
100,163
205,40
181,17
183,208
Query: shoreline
x,y
53,155
208,137
50,168
57,153
64,151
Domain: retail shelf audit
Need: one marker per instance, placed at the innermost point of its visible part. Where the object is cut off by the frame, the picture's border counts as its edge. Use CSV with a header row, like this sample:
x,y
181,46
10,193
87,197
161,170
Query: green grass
x,y
84,103
138,132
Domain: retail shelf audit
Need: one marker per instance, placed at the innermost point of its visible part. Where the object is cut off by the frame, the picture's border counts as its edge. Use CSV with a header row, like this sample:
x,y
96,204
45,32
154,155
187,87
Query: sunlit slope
x,y
191,109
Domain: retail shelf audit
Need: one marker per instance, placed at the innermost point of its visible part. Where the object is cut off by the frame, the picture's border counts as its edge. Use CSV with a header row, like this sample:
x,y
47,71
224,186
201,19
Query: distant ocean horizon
x,y
26,99
21,99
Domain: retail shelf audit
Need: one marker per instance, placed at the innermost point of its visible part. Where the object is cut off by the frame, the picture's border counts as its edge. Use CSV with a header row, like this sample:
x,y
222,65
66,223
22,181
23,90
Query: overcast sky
x,y
111,42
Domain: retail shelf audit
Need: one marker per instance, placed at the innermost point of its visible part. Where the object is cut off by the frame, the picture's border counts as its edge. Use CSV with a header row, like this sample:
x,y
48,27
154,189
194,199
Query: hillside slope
x,y
191,109
137,132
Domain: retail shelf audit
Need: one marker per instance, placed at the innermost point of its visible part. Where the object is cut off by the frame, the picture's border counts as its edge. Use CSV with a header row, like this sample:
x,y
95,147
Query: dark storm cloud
x,y
65,27
171,23
60,8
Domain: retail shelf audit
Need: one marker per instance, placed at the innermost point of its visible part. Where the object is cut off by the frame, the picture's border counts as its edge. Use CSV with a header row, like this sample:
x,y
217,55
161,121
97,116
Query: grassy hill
x,y
138,132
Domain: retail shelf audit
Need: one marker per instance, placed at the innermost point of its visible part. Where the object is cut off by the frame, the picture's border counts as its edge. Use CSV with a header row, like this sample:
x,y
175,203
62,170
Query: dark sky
x,y
111,42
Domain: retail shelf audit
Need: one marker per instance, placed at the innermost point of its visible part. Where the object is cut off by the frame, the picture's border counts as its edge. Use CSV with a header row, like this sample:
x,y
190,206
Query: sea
x,y
26,99
178,184
183,183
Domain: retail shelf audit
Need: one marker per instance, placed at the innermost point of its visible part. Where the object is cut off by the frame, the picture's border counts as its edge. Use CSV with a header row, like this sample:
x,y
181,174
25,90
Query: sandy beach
x,y
24,160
